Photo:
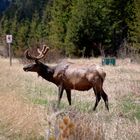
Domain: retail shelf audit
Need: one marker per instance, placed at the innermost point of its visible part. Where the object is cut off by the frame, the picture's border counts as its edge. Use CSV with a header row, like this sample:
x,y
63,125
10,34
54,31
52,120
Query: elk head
x,y
37,65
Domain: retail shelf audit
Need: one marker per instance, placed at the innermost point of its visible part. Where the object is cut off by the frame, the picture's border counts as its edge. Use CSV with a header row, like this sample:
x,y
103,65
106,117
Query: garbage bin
x,y
109,61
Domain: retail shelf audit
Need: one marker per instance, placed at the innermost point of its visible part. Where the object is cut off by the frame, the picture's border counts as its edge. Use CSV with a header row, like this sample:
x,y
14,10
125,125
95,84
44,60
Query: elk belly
x,y
82,86
76,78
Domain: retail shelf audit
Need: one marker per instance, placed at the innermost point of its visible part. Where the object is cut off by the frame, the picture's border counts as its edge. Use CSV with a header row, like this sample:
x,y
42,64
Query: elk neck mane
x,y
46,72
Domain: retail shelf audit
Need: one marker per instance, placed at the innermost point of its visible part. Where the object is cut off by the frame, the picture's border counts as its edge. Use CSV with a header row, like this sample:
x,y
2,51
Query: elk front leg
x,y
60,93
68,92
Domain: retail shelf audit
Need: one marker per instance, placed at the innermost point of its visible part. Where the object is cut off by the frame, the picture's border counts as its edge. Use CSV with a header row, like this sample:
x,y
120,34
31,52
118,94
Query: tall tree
x,y
60,14
136,33
122,20
88,28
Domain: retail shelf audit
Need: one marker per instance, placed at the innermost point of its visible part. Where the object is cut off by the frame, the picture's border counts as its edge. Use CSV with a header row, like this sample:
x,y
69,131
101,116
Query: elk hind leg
x,y
98,98
105,98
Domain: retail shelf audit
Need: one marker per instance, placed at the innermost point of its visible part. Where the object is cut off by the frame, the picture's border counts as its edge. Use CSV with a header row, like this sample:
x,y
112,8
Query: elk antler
x,y
41,53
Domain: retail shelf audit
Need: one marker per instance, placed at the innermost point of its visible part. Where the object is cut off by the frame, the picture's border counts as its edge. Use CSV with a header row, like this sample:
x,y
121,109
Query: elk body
x,y
70,76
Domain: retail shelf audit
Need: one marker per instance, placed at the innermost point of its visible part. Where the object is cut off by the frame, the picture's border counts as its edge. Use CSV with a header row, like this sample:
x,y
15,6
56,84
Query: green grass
x,y
130,108
40,101
83,106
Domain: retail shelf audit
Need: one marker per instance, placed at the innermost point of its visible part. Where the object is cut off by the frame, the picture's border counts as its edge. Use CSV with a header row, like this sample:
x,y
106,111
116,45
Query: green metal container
x,y
109,61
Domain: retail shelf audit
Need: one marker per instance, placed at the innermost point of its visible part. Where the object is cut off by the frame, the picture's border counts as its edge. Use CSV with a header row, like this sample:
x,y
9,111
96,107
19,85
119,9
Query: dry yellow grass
x,y
26,101
18,117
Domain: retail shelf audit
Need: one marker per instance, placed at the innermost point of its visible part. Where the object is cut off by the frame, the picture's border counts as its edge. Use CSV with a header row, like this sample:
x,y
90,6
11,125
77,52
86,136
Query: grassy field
x,y
28,112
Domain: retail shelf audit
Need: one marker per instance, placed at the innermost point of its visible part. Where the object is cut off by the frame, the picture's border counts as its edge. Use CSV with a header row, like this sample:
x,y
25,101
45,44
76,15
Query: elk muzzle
x,y
31,67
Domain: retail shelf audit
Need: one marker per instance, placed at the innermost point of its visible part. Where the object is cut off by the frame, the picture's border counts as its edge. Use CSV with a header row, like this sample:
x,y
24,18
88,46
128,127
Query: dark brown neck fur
x,y
47,72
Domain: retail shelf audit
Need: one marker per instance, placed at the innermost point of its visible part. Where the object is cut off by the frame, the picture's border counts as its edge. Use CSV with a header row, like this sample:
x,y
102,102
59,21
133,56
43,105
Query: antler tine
x,y
28,56
42,52
45,49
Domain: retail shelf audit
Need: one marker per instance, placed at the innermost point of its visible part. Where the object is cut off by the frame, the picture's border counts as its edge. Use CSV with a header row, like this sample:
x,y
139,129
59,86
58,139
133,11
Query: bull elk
x,y
67,76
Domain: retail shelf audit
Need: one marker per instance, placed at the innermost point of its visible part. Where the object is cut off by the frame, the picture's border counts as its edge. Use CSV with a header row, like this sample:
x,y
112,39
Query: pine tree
x,y
60,14
122,20
88,28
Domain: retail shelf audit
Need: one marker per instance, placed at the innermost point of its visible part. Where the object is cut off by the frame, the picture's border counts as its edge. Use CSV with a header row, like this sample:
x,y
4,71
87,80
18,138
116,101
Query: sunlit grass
x,y
131,108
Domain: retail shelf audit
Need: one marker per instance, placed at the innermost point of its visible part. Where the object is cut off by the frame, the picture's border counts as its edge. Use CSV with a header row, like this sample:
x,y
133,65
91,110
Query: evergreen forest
x,y
81,28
